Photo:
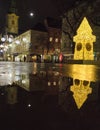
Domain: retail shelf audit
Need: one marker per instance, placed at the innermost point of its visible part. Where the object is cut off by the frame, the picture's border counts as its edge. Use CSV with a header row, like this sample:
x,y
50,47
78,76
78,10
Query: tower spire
x,y
13,8
12,19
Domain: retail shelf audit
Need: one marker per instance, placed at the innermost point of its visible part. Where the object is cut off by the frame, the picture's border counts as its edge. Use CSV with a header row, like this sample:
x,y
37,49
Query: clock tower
x,y
12,19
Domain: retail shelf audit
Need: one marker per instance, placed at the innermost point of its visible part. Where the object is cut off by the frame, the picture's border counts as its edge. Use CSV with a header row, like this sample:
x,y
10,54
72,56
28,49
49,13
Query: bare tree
x,y
72,13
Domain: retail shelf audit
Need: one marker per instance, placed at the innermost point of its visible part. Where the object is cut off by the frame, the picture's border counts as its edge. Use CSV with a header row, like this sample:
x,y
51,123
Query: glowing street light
x,y
4,42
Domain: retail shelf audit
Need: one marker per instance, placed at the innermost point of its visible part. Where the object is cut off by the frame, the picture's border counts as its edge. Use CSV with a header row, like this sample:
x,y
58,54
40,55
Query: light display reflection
x,y
80,90
83,76
74,81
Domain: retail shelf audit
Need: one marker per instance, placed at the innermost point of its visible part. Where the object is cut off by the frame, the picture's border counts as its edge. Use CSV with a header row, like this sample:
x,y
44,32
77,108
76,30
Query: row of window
x,y
51,39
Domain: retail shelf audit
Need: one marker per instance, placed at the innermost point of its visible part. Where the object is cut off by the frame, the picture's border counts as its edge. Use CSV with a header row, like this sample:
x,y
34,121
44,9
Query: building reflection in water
x,y
11,94
52,83
69,83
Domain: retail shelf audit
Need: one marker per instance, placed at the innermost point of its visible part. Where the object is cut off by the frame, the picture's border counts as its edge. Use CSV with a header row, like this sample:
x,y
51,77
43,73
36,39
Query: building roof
x,y
12,8
40,27
53,22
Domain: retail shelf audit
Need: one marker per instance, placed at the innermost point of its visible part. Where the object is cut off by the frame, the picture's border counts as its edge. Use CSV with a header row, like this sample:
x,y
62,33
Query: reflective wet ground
x,y
49,96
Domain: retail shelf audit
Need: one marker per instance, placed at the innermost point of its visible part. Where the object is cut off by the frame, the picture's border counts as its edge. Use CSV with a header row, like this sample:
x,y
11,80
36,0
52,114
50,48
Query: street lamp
x,y
5,44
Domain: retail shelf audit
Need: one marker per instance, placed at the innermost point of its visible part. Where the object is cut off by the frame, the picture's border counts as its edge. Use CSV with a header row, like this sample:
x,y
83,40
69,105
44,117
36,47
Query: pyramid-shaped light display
x,y
84,42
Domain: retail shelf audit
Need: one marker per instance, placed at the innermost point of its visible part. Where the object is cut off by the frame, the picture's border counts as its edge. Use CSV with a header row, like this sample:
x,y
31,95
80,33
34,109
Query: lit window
x,y
56,39
50,39
17,42
54,83
24,39
49,83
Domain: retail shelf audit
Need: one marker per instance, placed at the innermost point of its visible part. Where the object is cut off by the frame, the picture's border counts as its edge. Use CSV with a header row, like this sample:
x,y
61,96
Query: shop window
x,y
56,39
50,39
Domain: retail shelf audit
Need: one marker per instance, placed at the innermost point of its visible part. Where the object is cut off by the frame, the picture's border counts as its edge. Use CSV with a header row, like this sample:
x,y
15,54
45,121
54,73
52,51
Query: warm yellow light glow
x,y
54,83
49,83
80,90
56,39
34,68
50,39
84,42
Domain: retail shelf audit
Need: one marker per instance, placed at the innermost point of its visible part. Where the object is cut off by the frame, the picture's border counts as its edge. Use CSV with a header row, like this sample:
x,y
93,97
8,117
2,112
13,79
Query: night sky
x,y
40,8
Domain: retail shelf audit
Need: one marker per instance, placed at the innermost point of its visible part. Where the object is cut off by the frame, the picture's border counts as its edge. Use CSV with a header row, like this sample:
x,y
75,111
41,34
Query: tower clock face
x,y
79,46
88,46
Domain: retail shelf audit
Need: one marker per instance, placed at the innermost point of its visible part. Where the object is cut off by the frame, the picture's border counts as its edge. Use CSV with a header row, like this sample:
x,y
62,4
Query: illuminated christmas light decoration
x,y
80,90
84,42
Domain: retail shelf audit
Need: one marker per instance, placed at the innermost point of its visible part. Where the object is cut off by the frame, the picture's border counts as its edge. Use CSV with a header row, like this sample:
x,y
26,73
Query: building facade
x,y
28,45
41,44
54,32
